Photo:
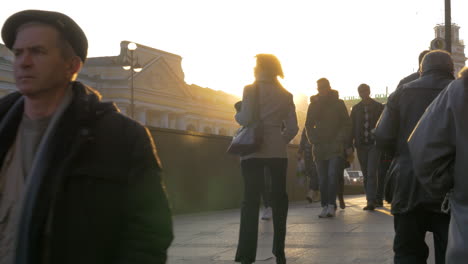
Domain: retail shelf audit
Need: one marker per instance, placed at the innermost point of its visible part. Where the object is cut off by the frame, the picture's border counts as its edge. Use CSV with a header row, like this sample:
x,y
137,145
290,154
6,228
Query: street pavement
x,y
353,236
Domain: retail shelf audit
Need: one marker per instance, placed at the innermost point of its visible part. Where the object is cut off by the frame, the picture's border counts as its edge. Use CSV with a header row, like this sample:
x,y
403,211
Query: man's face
x,y
364,93
323,88
40,68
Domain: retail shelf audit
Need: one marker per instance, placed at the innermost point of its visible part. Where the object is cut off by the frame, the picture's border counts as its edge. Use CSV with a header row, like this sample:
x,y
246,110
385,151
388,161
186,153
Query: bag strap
x,y
256,103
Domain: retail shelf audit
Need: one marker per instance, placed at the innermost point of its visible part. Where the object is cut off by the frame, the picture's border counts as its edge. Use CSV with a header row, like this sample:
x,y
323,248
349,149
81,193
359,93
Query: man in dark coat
x,y
79,182
439,149
364,116
415,210
328,127
414,75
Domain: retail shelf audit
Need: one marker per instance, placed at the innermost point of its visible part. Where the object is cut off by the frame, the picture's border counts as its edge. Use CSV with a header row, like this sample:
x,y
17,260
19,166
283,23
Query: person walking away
x,y
277,109
439,150
364,116
415,75
387,165
305,153
328,128
415,210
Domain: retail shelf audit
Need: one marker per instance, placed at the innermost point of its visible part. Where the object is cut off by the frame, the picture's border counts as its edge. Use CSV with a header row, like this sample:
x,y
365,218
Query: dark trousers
x,y
266,193
383,168
369,159
410,231
253,174
329,171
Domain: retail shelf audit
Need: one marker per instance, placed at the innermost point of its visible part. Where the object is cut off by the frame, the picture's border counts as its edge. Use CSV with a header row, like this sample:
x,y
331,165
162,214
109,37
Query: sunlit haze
x,y
349,42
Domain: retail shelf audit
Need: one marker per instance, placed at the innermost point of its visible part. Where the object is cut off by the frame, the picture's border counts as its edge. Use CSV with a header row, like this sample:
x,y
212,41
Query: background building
x,y
6,71
458,46
161,96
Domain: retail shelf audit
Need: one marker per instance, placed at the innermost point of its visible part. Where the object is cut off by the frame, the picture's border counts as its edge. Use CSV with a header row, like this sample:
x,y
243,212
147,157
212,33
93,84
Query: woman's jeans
x,y
253,174
329,171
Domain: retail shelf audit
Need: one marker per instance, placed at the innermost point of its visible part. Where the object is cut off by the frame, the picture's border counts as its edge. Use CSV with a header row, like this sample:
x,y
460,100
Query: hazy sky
x,y
350,42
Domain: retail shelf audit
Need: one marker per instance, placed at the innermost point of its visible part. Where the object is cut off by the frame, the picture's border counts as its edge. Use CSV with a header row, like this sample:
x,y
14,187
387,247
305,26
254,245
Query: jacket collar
x,y
85,108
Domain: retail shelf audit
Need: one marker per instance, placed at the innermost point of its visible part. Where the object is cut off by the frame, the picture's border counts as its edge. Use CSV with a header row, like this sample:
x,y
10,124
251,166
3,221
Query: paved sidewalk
x,y
353,236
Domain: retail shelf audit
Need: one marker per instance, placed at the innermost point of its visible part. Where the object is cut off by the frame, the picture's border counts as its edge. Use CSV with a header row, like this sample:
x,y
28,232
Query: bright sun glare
x,y
348,42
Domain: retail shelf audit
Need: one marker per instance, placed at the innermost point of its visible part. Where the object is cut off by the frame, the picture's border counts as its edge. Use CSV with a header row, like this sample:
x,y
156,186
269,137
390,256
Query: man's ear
x,y
75,66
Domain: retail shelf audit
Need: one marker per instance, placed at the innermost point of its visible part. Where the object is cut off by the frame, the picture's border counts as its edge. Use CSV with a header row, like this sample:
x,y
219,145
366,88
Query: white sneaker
x,y
331,210
324,212
267,213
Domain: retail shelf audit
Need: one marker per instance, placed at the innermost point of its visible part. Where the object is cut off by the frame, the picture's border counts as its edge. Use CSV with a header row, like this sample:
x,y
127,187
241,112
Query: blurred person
x,y
364,116
414,75
277,109
387,163
72,190
439,150
415,210
328,127
349,158
305,153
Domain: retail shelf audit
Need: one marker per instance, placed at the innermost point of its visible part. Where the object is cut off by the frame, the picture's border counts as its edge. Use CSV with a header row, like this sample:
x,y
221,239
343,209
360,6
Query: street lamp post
x,y
448,26
133,68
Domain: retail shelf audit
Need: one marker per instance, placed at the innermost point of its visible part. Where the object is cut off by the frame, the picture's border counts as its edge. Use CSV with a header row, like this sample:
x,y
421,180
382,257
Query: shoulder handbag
x,y
248,139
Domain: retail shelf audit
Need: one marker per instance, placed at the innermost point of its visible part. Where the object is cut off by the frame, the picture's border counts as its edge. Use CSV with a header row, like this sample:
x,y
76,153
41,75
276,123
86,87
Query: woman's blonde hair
x,y
269,64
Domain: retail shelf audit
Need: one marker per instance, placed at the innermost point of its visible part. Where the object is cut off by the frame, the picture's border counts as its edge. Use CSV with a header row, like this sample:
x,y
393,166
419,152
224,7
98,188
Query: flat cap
x,y
63,23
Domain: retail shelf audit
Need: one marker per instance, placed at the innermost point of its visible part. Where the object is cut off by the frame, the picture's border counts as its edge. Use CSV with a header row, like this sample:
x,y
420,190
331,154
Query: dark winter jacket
x,y
102,191
404,108
409,78
439,149
357,118
328,126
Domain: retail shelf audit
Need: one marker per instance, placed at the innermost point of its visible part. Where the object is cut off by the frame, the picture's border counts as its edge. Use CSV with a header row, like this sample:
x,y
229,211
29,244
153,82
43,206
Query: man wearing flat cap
x,y
79,182
415,210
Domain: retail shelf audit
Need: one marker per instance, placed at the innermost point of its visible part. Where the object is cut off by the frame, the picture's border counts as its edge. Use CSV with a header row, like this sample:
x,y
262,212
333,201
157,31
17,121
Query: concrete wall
x,y
200,176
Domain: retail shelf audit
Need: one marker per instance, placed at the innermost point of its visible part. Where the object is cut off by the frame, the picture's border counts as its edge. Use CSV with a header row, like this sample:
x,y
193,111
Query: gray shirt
x,y
16,166
17,176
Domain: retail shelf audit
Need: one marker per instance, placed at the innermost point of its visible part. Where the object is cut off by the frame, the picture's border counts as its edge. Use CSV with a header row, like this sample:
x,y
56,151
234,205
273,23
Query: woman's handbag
x,y
248,139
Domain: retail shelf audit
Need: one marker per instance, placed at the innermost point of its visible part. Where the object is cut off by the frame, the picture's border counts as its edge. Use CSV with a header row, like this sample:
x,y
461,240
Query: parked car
x,y
353,177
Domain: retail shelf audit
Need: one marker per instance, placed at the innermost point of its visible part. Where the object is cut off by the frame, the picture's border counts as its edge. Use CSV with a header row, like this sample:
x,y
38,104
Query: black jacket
x,y
402,112
357,118
102,188
439,149
328,126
